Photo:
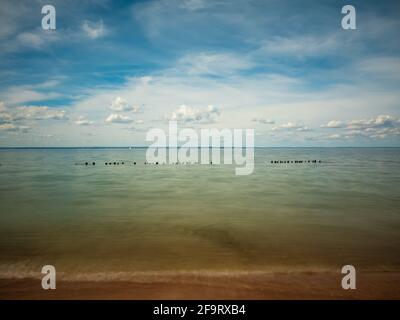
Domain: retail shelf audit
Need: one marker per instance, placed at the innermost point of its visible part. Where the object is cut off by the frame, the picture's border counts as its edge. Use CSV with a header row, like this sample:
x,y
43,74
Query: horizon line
x,y
147,147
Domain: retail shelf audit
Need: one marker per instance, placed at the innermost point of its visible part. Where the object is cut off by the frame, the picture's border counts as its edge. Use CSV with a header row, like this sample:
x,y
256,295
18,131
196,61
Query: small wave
x,y
21,271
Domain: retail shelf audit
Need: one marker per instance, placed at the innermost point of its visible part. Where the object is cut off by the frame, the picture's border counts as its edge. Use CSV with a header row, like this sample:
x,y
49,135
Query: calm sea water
x,y
126,218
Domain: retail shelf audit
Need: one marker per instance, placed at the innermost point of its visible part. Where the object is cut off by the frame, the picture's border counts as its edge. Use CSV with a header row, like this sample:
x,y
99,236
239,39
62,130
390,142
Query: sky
x,y
113,70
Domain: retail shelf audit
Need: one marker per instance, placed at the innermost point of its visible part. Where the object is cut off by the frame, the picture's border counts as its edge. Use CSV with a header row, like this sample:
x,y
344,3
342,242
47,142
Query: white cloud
x,y
94,30
39,113
24,94
193,5
379,121
194,115
20,118
37,39
8,127
120,105
333,124
5,116
217,64
21,113
304,129
30,39
291,127
368,125
241,97
381,67
48,84
118,118
301,46
83,122
14,128
335,136
264,121
136,129
379,127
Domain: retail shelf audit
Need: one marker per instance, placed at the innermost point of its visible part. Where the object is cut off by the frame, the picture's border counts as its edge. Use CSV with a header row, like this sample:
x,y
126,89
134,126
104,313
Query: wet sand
x,y
312,285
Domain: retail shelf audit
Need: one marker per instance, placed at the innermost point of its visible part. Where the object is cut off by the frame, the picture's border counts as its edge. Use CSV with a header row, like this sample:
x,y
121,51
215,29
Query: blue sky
x,y
114,69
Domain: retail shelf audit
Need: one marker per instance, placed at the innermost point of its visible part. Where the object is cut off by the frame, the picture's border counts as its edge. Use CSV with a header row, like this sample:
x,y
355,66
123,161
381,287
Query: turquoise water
x,y
128,218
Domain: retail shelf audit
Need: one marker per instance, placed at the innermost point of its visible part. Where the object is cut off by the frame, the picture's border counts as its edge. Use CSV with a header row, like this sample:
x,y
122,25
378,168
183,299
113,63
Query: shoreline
x,y
257,286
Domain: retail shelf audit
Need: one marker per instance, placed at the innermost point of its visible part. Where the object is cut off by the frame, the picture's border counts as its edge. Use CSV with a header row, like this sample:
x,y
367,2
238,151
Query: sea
x,y
131,217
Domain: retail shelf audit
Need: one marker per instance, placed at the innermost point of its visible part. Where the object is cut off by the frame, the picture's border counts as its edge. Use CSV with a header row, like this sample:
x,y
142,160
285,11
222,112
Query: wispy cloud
x,y
216,64
315,45
94,30
29,93
194,5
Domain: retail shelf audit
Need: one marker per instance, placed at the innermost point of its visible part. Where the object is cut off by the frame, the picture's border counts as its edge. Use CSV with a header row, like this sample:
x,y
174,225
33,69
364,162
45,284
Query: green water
x,y
126,218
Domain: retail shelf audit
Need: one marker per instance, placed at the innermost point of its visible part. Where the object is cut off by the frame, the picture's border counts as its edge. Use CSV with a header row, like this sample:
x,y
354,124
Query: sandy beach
x,y
304,285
